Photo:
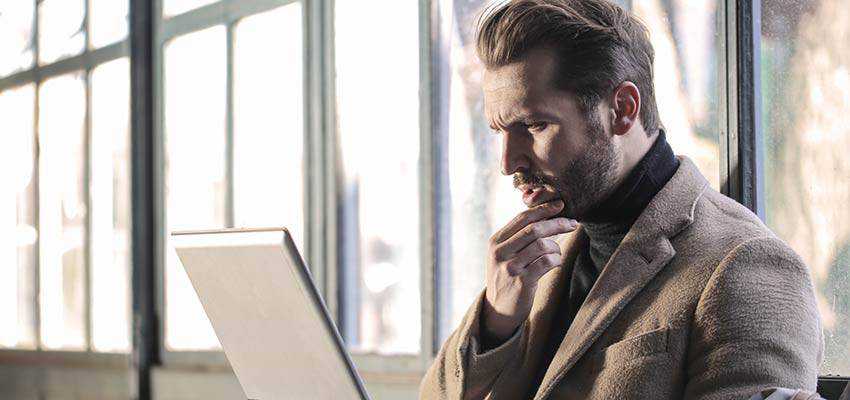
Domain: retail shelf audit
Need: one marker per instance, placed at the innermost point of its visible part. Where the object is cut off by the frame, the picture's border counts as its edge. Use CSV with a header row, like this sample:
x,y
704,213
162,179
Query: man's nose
x,y
514,153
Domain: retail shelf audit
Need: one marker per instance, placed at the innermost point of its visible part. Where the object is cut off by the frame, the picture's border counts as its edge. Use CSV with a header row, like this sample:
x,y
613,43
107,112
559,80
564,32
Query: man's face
x,y
550,146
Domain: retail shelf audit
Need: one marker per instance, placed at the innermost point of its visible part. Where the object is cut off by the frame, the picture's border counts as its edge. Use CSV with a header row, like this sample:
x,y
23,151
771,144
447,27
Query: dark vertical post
x,y
145,224
748,25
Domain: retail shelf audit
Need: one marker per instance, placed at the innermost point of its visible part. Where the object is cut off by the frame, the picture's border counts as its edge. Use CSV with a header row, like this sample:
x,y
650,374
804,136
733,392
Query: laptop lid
x,y
271,322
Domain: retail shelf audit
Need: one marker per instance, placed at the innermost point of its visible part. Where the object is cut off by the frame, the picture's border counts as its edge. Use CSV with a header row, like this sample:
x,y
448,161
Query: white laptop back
x,y
267,314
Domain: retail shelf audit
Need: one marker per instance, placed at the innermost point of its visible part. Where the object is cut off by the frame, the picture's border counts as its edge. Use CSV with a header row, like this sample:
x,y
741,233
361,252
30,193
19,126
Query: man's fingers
x,y
532,232
542,265
532,252
534,214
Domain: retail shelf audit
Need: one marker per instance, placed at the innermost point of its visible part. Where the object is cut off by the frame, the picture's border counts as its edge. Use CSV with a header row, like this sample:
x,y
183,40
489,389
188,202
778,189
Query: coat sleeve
x,y
460,372
756,325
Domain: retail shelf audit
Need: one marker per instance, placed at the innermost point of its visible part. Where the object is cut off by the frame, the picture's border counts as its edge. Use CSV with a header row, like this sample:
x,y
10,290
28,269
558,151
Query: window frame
x,y
322,160
84,64
226,13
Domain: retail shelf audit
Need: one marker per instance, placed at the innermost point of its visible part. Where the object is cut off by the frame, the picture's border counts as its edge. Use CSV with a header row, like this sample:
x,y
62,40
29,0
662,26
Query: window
x,y
195,68
66,216
61,29
18,255
480,200
805,97
233,133
378,128
62,212
174,7
107,21
16,22
110,205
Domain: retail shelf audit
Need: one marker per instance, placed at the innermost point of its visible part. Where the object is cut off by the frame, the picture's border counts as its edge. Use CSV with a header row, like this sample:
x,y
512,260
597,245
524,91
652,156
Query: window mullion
x,y
36,178
87,233
749,188
230,211
146,206
427,187
314,144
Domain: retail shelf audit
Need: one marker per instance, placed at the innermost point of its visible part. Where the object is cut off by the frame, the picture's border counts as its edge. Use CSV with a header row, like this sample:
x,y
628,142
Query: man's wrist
x,y
494,332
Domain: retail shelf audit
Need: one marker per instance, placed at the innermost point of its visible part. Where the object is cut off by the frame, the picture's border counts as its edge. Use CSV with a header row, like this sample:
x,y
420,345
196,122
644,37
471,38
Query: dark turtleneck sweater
x,y
606,226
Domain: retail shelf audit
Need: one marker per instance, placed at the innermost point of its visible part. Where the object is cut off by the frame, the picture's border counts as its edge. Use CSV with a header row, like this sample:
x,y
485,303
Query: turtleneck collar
x,y
608,223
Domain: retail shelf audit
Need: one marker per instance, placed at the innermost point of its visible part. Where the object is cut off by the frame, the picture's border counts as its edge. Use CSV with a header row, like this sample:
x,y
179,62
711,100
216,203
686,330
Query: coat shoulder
x,y
720,225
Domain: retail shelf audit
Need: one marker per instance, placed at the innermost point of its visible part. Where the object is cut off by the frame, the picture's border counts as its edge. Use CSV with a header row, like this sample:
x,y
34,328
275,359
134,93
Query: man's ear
x,y
625,108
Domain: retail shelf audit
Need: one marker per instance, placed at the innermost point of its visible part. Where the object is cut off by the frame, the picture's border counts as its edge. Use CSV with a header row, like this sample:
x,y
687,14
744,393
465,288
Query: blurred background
x,y
359,126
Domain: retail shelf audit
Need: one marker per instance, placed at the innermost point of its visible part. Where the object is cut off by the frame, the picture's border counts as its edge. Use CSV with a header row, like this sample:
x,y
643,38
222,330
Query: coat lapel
x,y
645,250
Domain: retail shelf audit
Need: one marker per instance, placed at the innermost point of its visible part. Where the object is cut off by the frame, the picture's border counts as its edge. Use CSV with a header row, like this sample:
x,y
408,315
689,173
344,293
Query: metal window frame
x,y
83,63
146,195
745,156
226,13
322,172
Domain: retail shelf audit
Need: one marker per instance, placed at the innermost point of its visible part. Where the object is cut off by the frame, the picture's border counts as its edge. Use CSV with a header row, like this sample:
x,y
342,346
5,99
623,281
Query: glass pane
x,y
195,71
479,200
110,211
62,212
687,76
16,21
60,29
174,7
380,152
268,121
805,64
107,21
18,234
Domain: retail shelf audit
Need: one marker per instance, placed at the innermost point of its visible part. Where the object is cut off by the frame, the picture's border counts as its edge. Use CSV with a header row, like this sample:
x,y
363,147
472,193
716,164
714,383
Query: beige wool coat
x,y
700,301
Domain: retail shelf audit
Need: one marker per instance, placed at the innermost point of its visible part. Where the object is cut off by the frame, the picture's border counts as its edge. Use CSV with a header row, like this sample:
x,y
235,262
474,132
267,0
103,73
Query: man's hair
x,y
598,46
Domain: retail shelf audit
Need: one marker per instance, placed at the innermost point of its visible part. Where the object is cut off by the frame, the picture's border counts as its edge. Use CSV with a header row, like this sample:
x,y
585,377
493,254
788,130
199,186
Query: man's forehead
x,y
532,74
517,88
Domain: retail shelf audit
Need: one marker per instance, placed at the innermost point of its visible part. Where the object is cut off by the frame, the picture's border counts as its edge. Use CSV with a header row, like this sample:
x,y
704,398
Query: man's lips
x,y
535,195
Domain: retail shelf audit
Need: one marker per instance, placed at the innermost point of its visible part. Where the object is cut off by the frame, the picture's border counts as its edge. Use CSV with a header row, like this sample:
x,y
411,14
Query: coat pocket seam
x,y
630,349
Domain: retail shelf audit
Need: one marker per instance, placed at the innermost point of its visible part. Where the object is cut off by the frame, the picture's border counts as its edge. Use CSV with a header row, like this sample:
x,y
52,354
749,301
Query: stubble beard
x,y
591,177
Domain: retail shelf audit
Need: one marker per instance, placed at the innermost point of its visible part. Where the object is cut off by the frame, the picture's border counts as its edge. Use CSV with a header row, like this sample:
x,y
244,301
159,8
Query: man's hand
x,y
519,254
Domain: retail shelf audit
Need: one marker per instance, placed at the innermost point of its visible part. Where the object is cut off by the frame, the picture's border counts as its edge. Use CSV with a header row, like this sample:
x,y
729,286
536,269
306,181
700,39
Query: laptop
x,y
272,324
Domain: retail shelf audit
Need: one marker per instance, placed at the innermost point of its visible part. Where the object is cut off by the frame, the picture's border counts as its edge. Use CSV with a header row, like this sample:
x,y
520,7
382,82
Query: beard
x,y
586,180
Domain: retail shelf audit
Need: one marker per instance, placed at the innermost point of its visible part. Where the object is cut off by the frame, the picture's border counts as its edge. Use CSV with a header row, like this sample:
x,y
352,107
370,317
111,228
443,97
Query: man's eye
x,y
536,126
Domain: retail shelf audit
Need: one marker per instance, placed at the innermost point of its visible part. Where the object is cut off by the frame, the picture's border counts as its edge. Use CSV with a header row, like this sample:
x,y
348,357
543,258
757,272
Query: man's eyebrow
x,y
526,117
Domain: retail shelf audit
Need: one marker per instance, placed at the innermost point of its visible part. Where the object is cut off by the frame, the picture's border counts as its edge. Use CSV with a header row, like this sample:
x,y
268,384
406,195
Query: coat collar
x,y
645,250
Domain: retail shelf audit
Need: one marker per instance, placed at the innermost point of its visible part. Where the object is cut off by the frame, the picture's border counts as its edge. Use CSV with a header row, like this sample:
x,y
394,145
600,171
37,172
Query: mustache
x,y
530,178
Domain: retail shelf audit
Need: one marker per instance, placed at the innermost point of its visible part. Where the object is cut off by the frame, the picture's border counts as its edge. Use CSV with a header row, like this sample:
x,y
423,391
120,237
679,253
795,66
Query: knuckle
x,y
497,253
512,268
540,245
535,229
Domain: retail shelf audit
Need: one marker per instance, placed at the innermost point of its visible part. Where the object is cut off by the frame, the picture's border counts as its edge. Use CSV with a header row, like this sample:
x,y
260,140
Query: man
x,y
666,289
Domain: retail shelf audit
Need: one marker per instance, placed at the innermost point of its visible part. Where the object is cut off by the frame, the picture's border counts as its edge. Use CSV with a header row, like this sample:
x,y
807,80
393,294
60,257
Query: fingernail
x,y
558,204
